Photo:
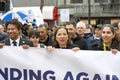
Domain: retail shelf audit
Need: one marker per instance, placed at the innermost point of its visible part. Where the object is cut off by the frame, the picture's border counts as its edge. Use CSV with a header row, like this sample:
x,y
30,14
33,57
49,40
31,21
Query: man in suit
x,y
14,31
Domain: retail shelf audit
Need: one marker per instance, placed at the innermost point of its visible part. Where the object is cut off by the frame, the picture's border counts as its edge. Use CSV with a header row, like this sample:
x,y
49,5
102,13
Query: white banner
x,y
17,63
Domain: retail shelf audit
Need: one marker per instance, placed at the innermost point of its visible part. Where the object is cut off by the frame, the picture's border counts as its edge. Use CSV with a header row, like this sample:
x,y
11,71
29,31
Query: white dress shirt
x,y
17,42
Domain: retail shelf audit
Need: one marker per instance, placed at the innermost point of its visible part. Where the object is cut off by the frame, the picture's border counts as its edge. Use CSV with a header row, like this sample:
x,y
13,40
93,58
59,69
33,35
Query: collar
x,y
17,40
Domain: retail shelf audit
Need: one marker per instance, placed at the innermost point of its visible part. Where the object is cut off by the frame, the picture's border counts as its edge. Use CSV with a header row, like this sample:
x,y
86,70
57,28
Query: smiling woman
x,y
108,40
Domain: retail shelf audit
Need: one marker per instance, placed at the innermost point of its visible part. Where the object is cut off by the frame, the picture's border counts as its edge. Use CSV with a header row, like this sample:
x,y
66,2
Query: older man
x,y
80,29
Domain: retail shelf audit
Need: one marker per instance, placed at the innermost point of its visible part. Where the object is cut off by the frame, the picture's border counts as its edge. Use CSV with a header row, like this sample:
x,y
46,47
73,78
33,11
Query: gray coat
x,y
3,36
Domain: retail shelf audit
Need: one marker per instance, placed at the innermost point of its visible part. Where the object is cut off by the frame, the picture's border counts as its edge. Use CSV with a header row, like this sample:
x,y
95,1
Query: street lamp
x,y
89,11
41,4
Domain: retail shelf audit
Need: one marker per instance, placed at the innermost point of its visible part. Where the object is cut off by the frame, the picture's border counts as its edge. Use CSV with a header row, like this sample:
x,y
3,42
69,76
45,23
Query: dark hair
x,y
25,28
98,26
55,43
43,25
34,33
15,22
49,28
110,26
115,24
114,44
69,23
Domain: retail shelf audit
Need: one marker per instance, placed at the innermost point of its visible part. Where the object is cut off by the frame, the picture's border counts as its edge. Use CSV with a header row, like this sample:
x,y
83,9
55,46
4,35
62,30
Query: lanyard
x,y
104,46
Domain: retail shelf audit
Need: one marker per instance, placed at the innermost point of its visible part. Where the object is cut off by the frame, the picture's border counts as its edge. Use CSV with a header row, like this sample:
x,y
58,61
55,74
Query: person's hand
x,y
1,45
49,48
75,48
25,46
114,51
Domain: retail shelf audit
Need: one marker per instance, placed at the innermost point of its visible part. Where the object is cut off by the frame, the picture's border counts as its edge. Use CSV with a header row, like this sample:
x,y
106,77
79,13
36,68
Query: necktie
x,y
14,43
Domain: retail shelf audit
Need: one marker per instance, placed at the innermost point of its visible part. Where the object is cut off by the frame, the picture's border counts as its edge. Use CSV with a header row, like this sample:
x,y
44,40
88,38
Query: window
x,y
97,1
101,1
76,1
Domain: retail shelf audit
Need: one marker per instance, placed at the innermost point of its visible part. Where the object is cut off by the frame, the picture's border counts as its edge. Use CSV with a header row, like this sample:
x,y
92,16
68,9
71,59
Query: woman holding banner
x,y
108,40
62,40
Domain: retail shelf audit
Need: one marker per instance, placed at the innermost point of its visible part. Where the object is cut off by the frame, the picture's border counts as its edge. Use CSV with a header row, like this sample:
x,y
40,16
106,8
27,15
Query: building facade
x,y
99,11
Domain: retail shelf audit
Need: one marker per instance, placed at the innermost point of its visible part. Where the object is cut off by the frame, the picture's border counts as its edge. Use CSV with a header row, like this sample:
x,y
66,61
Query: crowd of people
x,y
102,37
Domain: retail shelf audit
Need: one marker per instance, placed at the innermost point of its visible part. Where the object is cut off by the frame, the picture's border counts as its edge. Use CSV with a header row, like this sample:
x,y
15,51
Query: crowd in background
x,y
75,36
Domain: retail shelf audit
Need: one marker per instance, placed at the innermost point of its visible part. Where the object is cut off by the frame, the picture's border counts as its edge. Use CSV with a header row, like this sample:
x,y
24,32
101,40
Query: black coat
x,y
48,42
97,44
21,42
3,36
80,42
